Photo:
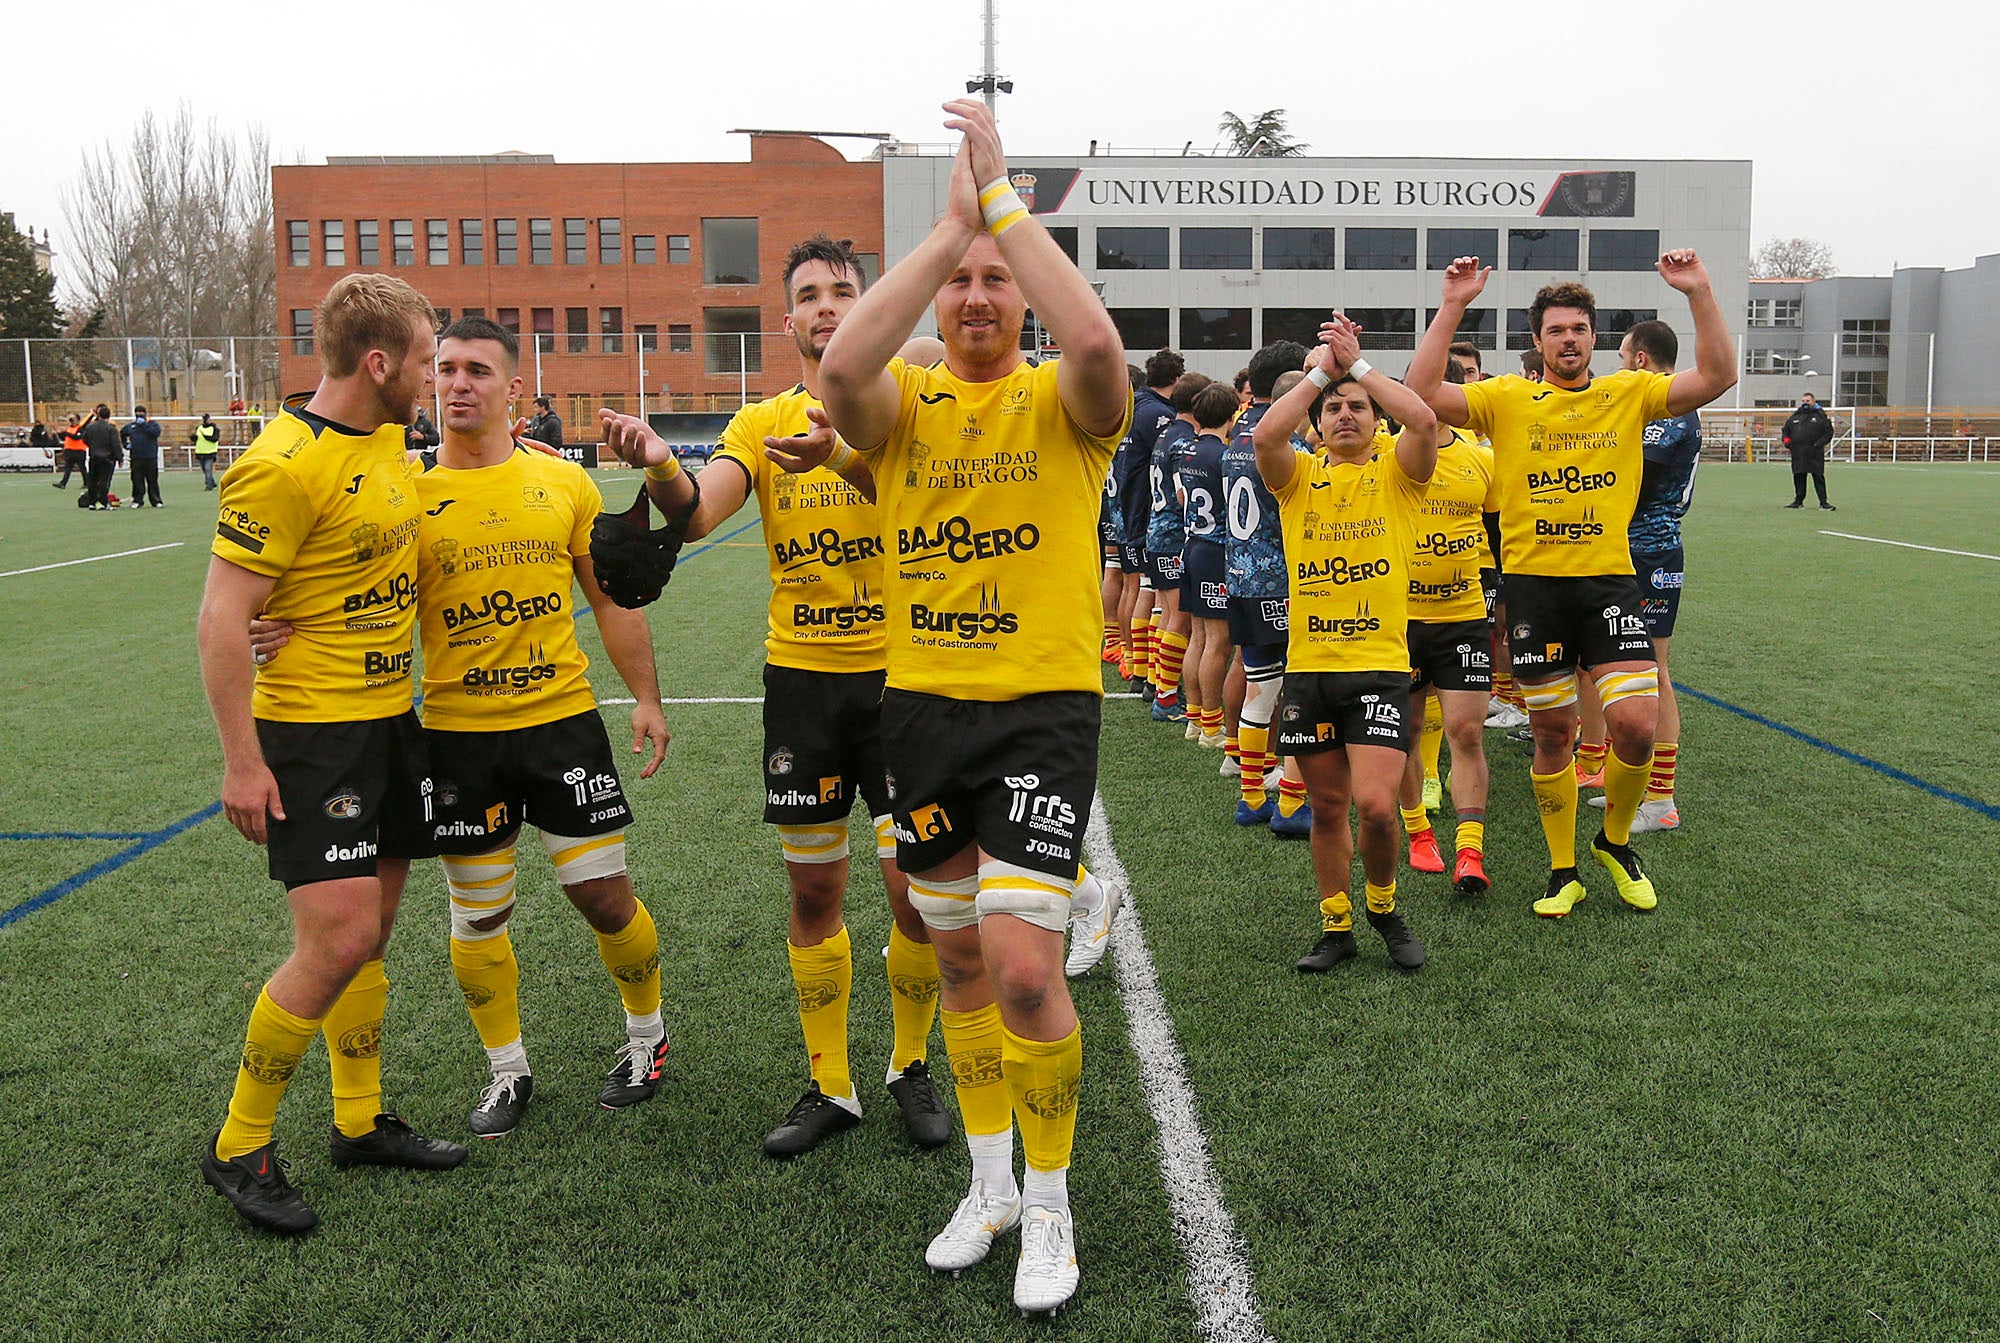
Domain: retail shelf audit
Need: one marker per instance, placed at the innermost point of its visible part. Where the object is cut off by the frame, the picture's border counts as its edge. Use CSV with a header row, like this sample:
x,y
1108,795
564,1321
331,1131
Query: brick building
x,y
635,279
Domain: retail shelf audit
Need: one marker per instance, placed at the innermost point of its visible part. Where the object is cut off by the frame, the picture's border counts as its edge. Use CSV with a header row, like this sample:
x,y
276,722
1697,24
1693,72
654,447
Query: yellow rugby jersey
x,y
823,542
496,589
989,497
1448,547
1568,465
1348,527
332,515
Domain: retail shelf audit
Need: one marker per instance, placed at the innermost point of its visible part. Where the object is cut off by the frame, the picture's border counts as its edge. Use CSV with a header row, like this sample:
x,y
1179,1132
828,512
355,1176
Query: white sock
x,y
649,1028
1046,1188
993,1161
1088,896
509,1058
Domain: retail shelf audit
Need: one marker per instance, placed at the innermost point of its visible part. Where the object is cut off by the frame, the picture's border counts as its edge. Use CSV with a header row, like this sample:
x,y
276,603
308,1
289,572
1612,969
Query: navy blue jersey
x,y
1133,464
1201,477
1256,536
1168,529
1673,450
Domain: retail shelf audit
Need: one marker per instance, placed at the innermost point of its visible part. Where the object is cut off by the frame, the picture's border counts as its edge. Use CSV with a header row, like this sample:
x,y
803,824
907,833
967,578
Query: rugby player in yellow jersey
x,y
511,721
1568,452
823,672
1451,653
988,470
1349,518
323,760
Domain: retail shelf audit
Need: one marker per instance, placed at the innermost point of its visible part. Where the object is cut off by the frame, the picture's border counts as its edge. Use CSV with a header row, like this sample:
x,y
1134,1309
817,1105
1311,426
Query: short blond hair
x,y
368,312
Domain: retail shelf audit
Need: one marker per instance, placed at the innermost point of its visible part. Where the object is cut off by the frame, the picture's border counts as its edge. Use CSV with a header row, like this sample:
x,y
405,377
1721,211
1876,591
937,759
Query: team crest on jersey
x,y
1536,434
365,538
1018,401
445,552
779,763
344,805
784,489
536,497
920,455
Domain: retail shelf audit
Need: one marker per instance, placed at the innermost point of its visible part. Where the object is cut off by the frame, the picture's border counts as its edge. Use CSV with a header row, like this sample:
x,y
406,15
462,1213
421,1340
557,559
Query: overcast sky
x,y
1869,125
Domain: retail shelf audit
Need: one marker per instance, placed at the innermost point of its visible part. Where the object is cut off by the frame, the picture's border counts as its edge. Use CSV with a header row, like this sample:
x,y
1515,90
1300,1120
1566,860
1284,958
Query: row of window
x,y
1125,247
1383,328
1774,312
731,335
729,246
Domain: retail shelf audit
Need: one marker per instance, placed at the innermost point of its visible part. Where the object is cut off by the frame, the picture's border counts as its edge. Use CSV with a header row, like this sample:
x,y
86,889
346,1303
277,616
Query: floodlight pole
x,y
988,74
28,367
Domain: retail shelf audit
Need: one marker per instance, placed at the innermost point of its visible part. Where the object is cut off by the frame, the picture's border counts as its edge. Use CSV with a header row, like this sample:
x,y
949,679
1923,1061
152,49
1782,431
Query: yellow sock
x,y
1381,899
490,978
1432,740
353,1030
1251,744
1415,819
913,992
1043,1079
1624,789
632,955
824,977
972,1041
1472,835
273,1044
1291,796
1555,798
1336,913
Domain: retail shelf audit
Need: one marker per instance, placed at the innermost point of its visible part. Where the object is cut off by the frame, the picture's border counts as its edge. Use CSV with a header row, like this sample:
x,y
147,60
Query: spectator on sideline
x,y
142,442
422,433
546,426
106,451
75,455
207,438
1806,435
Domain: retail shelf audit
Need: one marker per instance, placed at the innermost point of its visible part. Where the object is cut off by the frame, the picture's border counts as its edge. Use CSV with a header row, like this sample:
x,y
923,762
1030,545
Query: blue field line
x,y
1987,809
74,834
152,839
716,541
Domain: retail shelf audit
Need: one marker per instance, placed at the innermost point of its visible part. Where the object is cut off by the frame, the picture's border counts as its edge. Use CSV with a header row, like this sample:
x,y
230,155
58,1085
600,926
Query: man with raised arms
x,y
1348,518
824,659
323,760
988,470
1568,454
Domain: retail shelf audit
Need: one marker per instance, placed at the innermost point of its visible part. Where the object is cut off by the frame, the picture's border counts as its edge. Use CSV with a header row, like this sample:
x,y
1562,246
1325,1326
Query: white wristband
x,y
1318,378
840,457
1360,369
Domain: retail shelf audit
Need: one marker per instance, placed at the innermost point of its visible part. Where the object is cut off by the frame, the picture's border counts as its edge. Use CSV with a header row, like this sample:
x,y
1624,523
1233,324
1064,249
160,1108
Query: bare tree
x,y
1792,259
172,236
1263,136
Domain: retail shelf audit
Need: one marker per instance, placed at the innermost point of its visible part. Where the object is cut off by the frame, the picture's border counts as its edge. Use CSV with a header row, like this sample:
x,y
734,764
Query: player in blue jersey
x,y
1254,553
1204,592
1166,532
1666,488
1132,469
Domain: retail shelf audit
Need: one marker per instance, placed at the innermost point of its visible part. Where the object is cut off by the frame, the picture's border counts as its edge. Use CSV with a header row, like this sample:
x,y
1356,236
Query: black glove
x,y
633,561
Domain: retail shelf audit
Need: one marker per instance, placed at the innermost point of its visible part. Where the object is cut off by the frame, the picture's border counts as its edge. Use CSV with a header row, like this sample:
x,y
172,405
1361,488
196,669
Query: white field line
x,y
738,699
119,555
1219,1283
1910,545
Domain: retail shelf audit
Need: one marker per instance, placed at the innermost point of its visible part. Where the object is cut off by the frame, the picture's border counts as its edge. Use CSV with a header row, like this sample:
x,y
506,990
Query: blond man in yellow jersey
x,y
988,471
511,721
824,659
1568,452
323,761
1344,716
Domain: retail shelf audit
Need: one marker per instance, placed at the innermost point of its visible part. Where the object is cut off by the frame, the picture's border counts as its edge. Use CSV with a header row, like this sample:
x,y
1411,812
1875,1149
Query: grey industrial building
x,y
1215,256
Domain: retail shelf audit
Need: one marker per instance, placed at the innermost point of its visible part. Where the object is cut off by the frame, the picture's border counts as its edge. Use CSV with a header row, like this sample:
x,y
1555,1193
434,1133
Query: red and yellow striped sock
x,y
1291,796
1661,785
1169,652
1589,758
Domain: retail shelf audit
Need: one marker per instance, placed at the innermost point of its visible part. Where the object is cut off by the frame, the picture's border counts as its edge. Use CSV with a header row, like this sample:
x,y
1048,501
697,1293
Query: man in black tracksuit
x,y
101,441
142,440
1806,434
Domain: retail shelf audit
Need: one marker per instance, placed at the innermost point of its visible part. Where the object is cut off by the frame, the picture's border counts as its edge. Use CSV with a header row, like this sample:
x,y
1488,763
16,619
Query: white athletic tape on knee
x,y
946,905
589,859
1557,694
885,836
813,843
1260,699
1615,686
1033,897
482,893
